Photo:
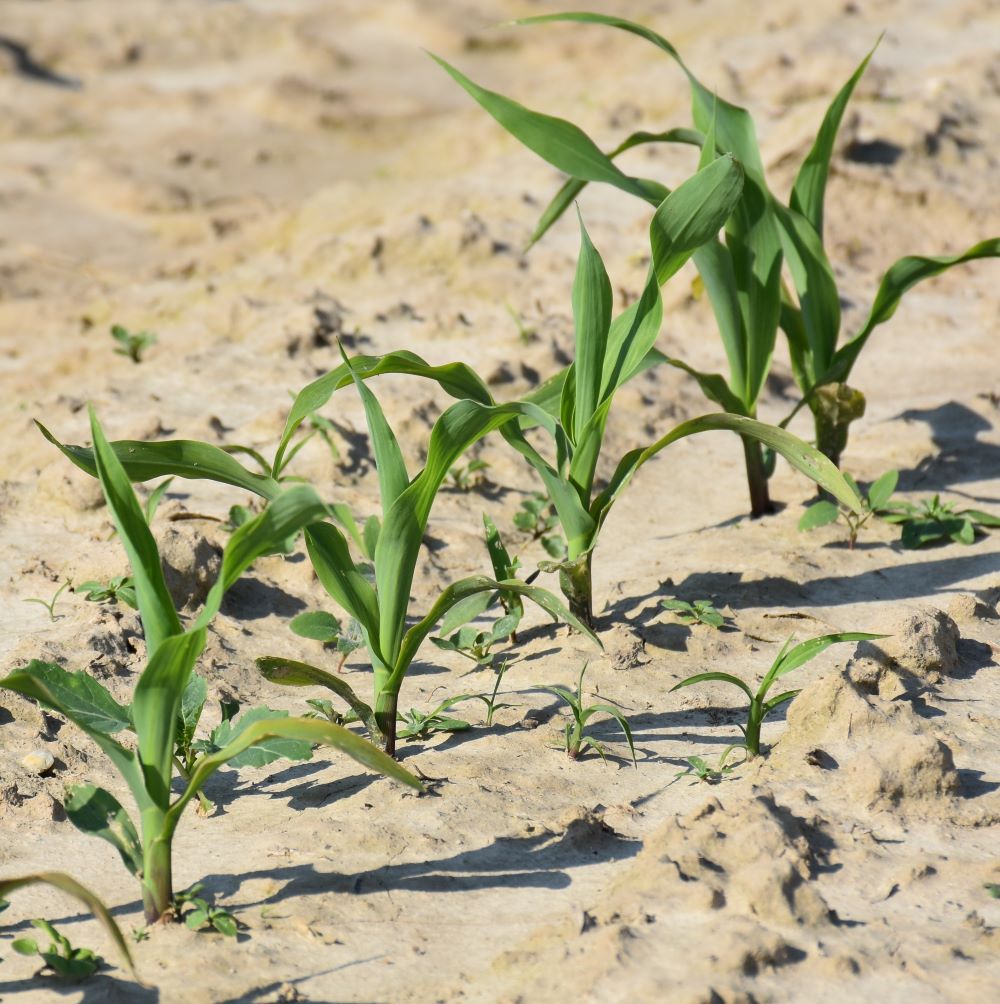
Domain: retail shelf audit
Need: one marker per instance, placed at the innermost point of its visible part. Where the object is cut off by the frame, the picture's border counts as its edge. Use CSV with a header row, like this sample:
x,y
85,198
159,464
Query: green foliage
x,y
538,517
199,913
417,725
66,961
788,658
576,740
466,477
122,588
50,605
696,612
742,274
162,697
877,502
933,521
131,344
319,625
703,771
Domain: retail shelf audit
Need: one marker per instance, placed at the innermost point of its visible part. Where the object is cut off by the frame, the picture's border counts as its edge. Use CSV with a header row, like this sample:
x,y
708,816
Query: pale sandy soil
x,y
227,172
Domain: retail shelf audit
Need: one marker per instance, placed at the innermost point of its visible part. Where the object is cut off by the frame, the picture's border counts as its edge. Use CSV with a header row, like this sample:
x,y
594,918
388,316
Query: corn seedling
x,y
69,885
154,715
50,605
743,275
877,502
66,961
465,477
132,345
575,739
199,913
696,612
932,521
122,588
788,659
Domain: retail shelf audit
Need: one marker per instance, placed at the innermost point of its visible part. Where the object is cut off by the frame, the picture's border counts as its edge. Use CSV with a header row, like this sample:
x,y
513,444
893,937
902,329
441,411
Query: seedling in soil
x,y
538,517
492,705
132,345
155,715
122,588
319,625
875,503
199,913
696,612
932,521
789,658
993,888
576,740
478,645
743,275
66,961
69,885
417,725
50,605
465,477
703,771
525,332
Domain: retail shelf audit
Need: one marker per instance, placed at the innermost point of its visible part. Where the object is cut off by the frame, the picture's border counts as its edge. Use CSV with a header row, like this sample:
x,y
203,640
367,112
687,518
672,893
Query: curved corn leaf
x,y
67,884
776,702
290,673
800,455
309,730
716,678
902,276
631,337
792,658
184,458
159,619
713,386
97,812
608,709
809,190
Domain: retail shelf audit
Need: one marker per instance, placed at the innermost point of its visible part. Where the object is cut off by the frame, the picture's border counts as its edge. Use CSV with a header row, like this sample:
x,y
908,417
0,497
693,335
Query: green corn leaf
x,y
631,337
776,702
902,276
881,491
592,302
715,266
799,454
464,611
716,678
181,457
572,188
67,884
290,673
806,651
819,514
456,379
693,214
310,730
809,190
97,812
156,708
555,140
267,750
713,386
159,619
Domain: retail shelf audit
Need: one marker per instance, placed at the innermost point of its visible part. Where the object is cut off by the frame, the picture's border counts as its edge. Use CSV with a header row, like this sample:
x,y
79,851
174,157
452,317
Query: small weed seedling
x,y
122,587
788,659
50,605
576,740
321,626
478,645
72,964
876,503
198,913
538,517
703,771
696,612
417,725
132,345
466,477
932,521
993,888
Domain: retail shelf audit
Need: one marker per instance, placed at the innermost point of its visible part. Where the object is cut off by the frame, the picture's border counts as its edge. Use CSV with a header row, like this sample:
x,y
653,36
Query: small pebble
x,y
38,761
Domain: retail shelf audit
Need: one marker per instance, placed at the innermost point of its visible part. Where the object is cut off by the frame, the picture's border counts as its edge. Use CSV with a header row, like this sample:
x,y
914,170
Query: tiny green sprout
x,y
789,658
132,345
703,771
696,612
67,962
993,888
466,477
932,521
525,332
197,912
50,605
576,741
477,645
876,503
319,625
492,705
538,517
140,934
122,588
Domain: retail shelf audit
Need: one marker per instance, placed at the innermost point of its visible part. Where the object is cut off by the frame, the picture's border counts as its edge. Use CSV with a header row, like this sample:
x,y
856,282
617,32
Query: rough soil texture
x,y
252,180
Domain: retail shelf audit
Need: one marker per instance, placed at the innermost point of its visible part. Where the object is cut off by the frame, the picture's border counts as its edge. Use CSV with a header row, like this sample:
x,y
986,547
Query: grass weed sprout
x,y
50,605
788,659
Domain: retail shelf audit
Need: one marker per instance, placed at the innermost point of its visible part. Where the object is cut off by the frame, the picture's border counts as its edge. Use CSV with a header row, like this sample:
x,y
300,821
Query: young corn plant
x,y
788,659
742,274
877,502
154,715
575,738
